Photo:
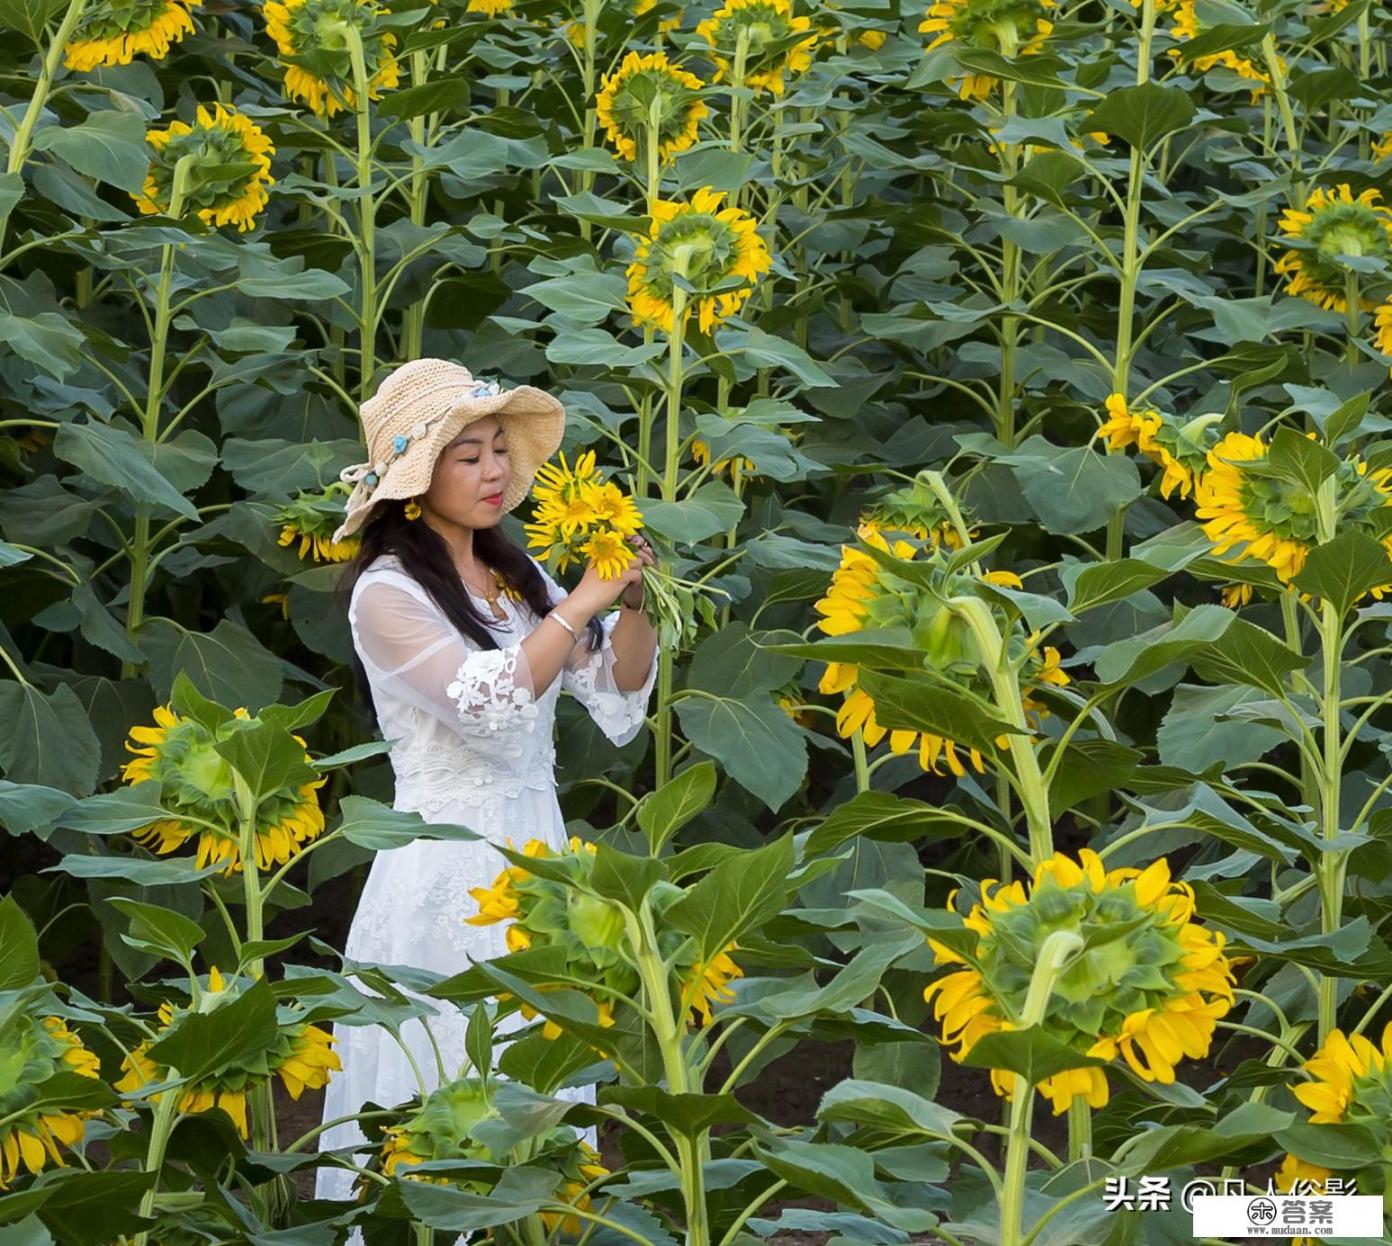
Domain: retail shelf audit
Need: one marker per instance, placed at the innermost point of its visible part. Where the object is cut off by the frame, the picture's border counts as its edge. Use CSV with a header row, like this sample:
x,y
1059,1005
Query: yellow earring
x,y
413,510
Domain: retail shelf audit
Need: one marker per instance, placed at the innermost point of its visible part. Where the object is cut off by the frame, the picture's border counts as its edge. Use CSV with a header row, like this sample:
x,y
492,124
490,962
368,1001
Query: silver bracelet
x,y
565,623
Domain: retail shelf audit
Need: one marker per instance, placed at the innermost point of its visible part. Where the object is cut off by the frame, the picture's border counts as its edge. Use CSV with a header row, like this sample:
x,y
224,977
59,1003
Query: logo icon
x,y
1261,1211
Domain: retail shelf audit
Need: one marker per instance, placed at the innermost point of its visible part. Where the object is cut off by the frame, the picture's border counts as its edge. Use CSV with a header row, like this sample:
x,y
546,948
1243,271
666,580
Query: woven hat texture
x,y
419,409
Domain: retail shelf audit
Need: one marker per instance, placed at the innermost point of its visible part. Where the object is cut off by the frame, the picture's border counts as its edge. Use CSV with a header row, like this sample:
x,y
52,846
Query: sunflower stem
x,y
1352,297
590,17
414,327
161,1126
737,93
24,135
1331,865
1079,1129
1277,71
862,768
367,216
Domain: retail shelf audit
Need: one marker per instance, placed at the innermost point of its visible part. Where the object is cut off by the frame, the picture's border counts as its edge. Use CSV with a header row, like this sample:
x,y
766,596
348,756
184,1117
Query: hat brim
x,y
532,420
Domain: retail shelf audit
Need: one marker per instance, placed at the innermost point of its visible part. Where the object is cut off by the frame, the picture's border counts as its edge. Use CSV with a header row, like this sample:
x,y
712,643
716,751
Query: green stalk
x,y
413,328
1352,297
1330,872
149,417
24,135
1079,1129
1283,104
367,217
161,1126
862,767
590,15
737,101
675,342
1010,258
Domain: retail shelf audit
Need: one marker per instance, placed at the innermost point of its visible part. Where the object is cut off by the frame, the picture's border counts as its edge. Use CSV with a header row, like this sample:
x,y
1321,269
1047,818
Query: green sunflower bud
x,y
595,922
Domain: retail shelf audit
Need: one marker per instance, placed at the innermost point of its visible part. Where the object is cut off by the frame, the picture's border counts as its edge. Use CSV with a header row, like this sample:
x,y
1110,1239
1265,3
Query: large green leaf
x,y
1097,584
160,931
881,816
885,1106
1250,655
662,813
227,664
1132,659
1142,115
370,824
47,738
937,708
19,947
201,1043
757,744
45,339
96,1208
1344,569
26,807
1073,489
108,146
114,455
1033,1052
712,509
738,895
736,661
267,757
29,17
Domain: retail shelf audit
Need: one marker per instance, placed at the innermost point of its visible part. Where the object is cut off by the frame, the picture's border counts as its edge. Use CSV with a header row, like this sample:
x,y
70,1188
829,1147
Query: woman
x,y
463,644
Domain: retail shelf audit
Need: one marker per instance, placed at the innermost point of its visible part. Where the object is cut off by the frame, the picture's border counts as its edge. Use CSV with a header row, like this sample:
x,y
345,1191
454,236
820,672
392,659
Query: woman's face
x,y
470,476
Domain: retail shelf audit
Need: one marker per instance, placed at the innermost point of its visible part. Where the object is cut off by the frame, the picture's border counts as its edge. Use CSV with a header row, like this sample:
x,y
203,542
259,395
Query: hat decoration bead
x,y
369,475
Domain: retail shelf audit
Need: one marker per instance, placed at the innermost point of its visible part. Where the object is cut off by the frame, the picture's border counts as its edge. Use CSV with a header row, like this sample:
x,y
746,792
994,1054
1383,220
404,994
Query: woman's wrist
x,y
626,597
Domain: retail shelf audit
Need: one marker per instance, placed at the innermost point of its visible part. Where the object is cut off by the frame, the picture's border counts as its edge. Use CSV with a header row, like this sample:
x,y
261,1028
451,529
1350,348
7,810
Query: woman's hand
x,y
633,592
595,594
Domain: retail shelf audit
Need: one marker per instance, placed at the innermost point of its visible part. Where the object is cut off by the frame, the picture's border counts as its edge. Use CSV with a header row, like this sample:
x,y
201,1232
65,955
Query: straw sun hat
x,y
419,409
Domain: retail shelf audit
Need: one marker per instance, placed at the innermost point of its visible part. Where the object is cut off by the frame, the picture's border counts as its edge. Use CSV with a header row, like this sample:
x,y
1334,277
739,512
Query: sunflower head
x,y
1180,451
441,1130
1189,25
708,982
33,1049
580,516
114,32
315,38
1149,984
776,42
299,1053
716,250
913,511
1334,223
309,522
181,754
1010,27
227,163
647,99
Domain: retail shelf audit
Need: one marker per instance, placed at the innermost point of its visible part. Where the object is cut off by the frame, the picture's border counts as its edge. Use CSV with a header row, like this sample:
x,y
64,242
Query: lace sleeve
x,y
413,652
588,675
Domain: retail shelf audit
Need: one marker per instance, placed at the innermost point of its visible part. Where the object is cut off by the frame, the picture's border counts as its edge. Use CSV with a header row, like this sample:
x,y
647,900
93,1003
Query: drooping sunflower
x,y
490,8
1187,26
311,519
300,1054
709,982
318,66
1011,27
1334,223
181,754
33,1049
915,511
114,32
1149,986
628,96
1235,596
777,42
1382,326
700,451
227,183
1350,1083
1164,444
724,258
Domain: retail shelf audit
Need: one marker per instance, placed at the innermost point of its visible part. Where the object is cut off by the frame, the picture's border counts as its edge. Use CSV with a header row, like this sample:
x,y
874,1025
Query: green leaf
x,y
26,807
47,339
115,813
115,456
738,895
19,947
885,1106
847,989
1072,489
278,469
756,743
1091,585
623,877
915,1067
108,146
48,739
478,1040
689,1114
202,1043
1301,461
1039,71
712,509
844,1174
29,17
1142,115
1196,729
96,1208
457,1211
1345,568
922,705
586,298
1131,660
765,350
439,95
596,347
662,813
228,664
370,824
1089,768
1345,421
1342,1148
267,757
1250,655
1032,1052
1249,1126
160,931
880,816
140,870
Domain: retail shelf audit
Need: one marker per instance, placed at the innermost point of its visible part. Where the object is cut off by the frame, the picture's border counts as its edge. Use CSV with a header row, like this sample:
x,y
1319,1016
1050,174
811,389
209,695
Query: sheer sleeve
x,y
588,675
415,653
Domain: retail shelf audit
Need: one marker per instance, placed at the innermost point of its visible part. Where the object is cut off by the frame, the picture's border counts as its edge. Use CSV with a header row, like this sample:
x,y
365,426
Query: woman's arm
x,y
635,646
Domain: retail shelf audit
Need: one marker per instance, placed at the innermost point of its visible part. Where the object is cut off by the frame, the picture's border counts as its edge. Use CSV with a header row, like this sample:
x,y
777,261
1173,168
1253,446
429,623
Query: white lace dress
x,y
473,745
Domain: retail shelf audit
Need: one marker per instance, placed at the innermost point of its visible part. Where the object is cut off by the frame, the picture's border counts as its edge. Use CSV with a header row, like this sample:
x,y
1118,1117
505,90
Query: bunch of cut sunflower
x,y
34,1049
560,909
442,1134
1149,985
869,594
198,789
299,1053
581,517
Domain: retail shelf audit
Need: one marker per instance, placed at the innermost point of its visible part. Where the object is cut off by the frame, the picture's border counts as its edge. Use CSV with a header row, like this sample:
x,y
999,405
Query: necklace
x,y
490,593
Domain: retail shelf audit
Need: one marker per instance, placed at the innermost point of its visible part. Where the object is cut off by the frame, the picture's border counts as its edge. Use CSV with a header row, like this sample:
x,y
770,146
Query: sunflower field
x,y
1004,385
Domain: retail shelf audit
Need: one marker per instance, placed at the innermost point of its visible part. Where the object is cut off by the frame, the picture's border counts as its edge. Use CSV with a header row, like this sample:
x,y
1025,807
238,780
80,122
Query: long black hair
x,y
425,556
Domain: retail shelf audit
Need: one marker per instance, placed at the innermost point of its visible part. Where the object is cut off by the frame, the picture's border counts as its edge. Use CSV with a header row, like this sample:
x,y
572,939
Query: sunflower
x,y
580,515
1180,459
1334,223
33,1049
300,1054
700,451
1149,985
709,982
1235,596
872,40
1187,26
863,594
1382,148
1350,1083
113,32
226,184
490,8
1010,27
640,84
724,257
181,754
915,511
311,519
777,42
608,553
614,508
308,34
1382,322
